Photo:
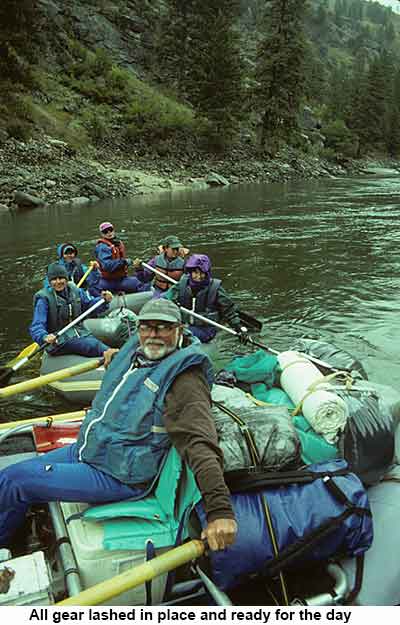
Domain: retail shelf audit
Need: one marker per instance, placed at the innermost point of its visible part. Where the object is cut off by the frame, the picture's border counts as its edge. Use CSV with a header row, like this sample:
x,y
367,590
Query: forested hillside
x,y
191,76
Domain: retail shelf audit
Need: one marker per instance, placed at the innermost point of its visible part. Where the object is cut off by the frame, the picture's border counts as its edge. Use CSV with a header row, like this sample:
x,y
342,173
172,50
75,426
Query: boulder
x,y
25,200
216,180
79,201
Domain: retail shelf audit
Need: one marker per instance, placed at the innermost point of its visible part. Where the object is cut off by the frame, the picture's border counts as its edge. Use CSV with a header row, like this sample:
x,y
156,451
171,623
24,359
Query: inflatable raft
x,y
86,540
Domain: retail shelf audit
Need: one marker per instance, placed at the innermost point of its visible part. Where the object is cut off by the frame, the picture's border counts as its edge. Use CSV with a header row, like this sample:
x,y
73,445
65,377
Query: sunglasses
x,y
107,230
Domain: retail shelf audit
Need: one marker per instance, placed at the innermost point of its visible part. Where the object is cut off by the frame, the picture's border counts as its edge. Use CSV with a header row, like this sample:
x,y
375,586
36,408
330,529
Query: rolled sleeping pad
x,y
326,412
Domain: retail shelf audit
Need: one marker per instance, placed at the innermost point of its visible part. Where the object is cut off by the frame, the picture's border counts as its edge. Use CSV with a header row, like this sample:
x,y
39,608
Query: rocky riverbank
x,y
48,171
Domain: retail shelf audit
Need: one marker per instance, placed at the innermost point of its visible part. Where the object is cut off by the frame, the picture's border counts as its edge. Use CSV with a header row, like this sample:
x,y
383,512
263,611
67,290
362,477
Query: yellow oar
x,y
30,349
66,416
102,592
42,380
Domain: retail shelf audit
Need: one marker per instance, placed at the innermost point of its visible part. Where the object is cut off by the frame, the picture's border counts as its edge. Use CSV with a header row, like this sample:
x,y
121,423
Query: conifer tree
x,y
280,71
213,83
18,24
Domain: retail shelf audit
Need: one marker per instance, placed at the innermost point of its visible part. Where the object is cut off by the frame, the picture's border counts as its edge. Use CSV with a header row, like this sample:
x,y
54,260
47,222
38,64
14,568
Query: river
x,y
316,259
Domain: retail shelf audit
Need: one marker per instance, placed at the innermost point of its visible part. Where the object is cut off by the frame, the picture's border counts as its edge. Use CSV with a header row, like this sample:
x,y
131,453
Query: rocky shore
x,y
48,171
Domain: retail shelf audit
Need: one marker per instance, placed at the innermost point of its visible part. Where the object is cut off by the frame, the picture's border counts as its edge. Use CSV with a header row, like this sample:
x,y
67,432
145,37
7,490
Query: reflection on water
x,y
315,259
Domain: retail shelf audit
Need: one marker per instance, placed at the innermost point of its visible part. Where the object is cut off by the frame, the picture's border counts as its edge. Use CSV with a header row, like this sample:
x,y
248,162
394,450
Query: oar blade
x,y
26,352
250,322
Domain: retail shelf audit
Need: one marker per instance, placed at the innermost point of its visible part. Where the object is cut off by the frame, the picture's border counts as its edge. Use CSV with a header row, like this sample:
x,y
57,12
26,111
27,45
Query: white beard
x,y
154,349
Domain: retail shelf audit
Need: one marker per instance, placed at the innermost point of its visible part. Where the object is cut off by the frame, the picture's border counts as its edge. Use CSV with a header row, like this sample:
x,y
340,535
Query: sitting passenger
x,y
113,263
68,257
199,292
55,307
155,394
169,261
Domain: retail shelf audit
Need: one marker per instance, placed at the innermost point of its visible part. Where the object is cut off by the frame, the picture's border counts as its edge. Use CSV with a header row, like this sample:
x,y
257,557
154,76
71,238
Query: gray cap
x,y
171,241
160,310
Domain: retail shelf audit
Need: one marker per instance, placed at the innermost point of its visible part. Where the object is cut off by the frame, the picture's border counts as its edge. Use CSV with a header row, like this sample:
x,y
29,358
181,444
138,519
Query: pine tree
x,y
18,24
213,83
280,72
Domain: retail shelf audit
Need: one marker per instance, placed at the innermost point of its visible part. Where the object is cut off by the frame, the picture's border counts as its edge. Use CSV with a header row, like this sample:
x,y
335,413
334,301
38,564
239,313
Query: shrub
x,y
19,130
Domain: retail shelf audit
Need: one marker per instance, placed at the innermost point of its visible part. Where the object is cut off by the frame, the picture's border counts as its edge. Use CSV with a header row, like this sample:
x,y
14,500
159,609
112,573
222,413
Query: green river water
x,y
317,259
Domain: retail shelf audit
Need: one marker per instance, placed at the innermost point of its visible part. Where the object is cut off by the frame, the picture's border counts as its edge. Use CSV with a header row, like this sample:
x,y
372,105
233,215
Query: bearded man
x,y
155,393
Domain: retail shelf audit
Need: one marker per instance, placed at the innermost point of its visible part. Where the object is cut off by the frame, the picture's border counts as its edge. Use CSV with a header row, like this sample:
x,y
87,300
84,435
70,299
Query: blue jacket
x,y
123,434
41,324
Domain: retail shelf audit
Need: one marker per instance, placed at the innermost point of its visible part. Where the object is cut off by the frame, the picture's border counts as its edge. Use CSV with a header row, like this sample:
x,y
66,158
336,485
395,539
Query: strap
x,y
245,480
178,540
274,543
245,431
358,580
150,554
314,386
309,540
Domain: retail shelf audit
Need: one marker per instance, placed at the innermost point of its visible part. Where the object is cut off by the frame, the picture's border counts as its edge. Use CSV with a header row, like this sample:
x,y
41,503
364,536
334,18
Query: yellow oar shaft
x,y
101,593
85,275
29,385
66,416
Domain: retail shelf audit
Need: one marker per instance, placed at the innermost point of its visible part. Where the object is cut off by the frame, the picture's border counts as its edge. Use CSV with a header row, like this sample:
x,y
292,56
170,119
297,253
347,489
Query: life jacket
x,y
118,252
123,434
204,303
172,268
75,270
61,310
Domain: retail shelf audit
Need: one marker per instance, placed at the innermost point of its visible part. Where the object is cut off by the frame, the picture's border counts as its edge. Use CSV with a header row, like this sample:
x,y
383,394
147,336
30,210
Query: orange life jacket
x,y
118,251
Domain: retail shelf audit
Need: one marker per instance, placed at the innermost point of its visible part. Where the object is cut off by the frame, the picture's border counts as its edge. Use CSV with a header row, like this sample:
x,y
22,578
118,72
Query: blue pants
x,y
55,476
127,285
83,346
204,333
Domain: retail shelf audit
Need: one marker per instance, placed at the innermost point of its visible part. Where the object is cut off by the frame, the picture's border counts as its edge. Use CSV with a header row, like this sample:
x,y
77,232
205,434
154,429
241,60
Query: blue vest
x,y
123,434
205,300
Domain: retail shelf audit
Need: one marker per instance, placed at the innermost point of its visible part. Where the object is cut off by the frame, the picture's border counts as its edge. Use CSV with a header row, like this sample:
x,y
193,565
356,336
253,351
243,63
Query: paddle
x,y
317,361
49,419
7,372
31,349
42,380
128,580
247,319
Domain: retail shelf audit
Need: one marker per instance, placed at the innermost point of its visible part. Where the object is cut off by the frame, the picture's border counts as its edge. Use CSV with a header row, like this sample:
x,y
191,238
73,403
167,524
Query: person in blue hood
x,y
67,254
200,292
155,393
56,306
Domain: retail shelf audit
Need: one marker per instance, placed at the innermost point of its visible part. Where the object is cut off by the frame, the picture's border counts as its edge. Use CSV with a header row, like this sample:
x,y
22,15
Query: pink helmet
x,y
105,225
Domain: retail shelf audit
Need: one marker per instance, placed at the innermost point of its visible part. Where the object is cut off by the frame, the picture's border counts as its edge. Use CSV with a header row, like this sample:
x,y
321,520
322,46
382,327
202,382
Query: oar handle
x,y
130,579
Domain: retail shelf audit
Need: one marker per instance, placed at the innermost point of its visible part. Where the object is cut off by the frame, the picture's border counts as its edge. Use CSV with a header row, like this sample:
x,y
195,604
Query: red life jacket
x,y
172,268
118,251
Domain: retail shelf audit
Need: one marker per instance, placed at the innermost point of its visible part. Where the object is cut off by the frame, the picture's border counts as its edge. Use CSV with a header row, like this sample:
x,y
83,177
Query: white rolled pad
x,y
326,412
